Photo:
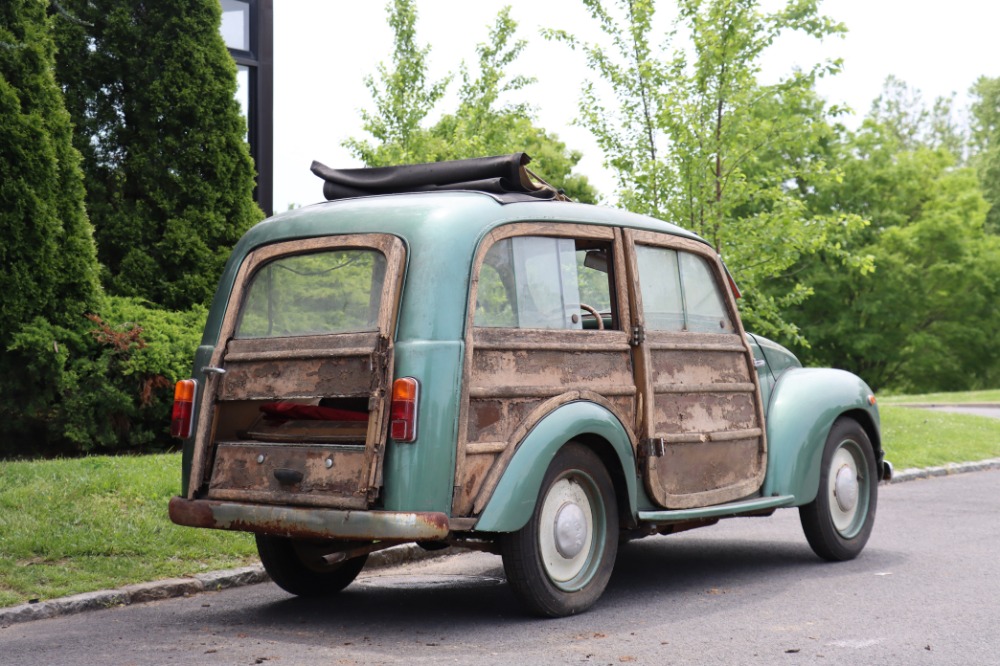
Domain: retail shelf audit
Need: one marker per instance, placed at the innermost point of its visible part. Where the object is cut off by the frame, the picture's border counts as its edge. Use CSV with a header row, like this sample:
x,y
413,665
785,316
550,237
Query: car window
x,y
679,292
703,303
336,291
659,282
540,282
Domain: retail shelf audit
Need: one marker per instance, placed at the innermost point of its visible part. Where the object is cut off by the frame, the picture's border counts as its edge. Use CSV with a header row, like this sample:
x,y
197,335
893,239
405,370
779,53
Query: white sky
x,y
324,48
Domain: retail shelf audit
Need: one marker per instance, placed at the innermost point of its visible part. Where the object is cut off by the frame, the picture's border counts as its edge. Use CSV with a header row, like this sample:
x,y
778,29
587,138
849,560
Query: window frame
x,y
621,314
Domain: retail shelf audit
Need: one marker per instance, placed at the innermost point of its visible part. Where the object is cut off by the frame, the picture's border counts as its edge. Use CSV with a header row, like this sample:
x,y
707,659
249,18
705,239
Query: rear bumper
x,y
310,523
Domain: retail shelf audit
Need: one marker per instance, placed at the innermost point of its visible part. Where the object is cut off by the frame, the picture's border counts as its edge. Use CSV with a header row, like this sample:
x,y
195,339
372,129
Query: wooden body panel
x,y
304,369
315,367
703,423
246,471
514,377
514,372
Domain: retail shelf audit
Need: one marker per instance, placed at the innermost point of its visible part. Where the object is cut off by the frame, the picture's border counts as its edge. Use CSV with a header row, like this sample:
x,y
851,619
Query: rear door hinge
x,y
652,448
638,335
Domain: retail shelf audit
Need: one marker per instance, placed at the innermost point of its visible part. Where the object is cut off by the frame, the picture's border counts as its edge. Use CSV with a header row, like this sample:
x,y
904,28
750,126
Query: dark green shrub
x,y
103,388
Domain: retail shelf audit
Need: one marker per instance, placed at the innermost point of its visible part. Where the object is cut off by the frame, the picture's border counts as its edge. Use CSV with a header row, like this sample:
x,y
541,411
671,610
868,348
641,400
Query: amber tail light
x,y
403,410
180,418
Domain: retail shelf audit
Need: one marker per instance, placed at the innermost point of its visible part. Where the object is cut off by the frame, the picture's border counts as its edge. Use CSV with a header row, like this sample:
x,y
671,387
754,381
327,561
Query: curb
x,y
184,587
914,473
221,580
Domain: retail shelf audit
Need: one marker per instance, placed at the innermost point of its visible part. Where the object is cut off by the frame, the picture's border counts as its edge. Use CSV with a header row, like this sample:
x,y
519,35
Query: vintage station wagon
x,y
454,354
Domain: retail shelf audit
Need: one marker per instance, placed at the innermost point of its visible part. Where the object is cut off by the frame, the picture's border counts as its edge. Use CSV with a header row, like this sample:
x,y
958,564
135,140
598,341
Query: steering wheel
x,y
597,315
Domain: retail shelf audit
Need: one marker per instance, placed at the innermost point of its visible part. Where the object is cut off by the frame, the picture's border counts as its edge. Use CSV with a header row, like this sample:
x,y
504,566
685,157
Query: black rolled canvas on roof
x,y
499,175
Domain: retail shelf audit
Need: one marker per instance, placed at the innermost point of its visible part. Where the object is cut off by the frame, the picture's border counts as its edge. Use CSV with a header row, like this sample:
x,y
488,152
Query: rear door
x,y
702,420
299,383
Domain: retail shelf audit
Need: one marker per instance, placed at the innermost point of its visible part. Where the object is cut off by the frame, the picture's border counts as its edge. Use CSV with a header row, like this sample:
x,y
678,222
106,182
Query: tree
x,y
924,320
151,90
484,123
694,138
48,264
403,97
985,141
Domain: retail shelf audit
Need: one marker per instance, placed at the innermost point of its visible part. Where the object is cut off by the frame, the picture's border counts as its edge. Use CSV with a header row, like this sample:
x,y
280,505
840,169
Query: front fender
x,y
804,404
513,501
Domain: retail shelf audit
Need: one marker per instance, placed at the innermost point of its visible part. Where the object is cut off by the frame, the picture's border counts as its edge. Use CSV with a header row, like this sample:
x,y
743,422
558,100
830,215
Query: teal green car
x,y
453,354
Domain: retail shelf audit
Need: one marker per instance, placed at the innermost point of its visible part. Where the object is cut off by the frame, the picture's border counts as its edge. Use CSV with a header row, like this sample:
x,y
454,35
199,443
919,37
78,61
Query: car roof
x,y
453,218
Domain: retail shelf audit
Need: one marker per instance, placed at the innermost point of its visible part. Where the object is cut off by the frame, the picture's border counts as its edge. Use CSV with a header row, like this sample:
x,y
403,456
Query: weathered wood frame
x,y
656,464
480,464
376,346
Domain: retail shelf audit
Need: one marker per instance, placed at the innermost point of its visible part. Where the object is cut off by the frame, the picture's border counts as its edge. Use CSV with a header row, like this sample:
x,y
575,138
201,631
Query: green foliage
x,y
48,266
694,138
483,124
926,319
100,386
151,90
986,143
403,97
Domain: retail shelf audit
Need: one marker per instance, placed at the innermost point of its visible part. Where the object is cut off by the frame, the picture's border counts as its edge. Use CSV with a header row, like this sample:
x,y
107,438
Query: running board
x,y
718,511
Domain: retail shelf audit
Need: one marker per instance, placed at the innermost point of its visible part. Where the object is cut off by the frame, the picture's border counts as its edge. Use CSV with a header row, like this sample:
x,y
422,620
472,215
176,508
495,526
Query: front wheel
x,y
560,562
839,521
297,567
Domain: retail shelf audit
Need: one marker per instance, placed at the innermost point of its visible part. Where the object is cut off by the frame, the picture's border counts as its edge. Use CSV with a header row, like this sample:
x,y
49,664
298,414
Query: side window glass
x,y
539,282
705,308
679,292
660,284
494,306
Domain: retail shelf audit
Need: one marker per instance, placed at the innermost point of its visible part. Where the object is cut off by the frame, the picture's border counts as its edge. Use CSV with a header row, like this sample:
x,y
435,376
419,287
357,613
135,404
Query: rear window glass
x,y
336,291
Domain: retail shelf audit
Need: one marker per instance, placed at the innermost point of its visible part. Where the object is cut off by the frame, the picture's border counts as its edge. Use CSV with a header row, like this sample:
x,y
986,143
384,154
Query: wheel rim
x,y
571,531
848,485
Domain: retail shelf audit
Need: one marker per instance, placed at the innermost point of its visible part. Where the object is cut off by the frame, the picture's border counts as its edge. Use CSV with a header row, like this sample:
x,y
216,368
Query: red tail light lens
x,y
180,419
403,410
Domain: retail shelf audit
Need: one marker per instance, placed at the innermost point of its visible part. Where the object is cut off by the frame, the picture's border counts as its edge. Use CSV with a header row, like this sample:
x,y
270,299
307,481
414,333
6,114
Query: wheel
x,y
297,567
597,315
559,563
839,521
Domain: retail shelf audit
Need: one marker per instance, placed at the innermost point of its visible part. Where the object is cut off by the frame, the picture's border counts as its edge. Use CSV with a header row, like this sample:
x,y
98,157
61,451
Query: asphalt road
x,y
747,591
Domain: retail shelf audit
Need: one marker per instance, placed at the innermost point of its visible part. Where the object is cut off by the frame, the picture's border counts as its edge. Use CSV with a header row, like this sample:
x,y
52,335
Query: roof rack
x,y
503,175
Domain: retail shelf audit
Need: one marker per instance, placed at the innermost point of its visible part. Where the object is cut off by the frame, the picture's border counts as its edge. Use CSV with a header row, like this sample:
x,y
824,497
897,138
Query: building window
x,y
236,24
247,29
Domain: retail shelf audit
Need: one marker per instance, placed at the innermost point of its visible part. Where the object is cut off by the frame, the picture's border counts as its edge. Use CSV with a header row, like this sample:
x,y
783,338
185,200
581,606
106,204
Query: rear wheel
x,y
560,562
298,567
839,521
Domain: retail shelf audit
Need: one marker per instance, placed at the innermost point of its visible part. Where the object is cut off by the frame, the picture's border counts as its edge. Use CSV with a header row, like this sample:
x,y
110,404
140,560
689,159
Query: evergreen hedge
x,y
151,89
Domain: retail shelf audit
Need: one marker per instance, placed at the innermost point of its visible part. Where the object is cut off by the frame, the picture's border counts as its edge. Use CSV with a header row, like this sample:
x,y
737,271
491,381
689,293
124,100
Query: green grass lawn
x,y
961,397
925,438
70,526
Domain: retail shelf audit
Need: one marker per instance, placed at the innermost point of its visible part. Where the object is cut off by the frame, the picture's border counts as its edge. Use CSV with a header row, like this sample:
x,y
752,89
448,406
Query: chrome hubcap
x,y
566,532
846,488
570,530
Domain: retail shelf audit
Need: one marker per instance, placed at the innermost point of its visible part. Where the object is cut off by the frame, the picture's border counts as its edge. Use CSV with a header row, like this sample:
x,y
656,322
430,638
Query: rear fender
x,y
804,404
513,501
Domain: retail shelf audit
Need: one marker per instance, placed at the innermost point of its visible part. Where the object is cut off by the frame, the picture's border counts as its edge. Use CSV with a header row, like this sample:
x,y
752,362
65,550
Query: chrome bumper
x,y
310,523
